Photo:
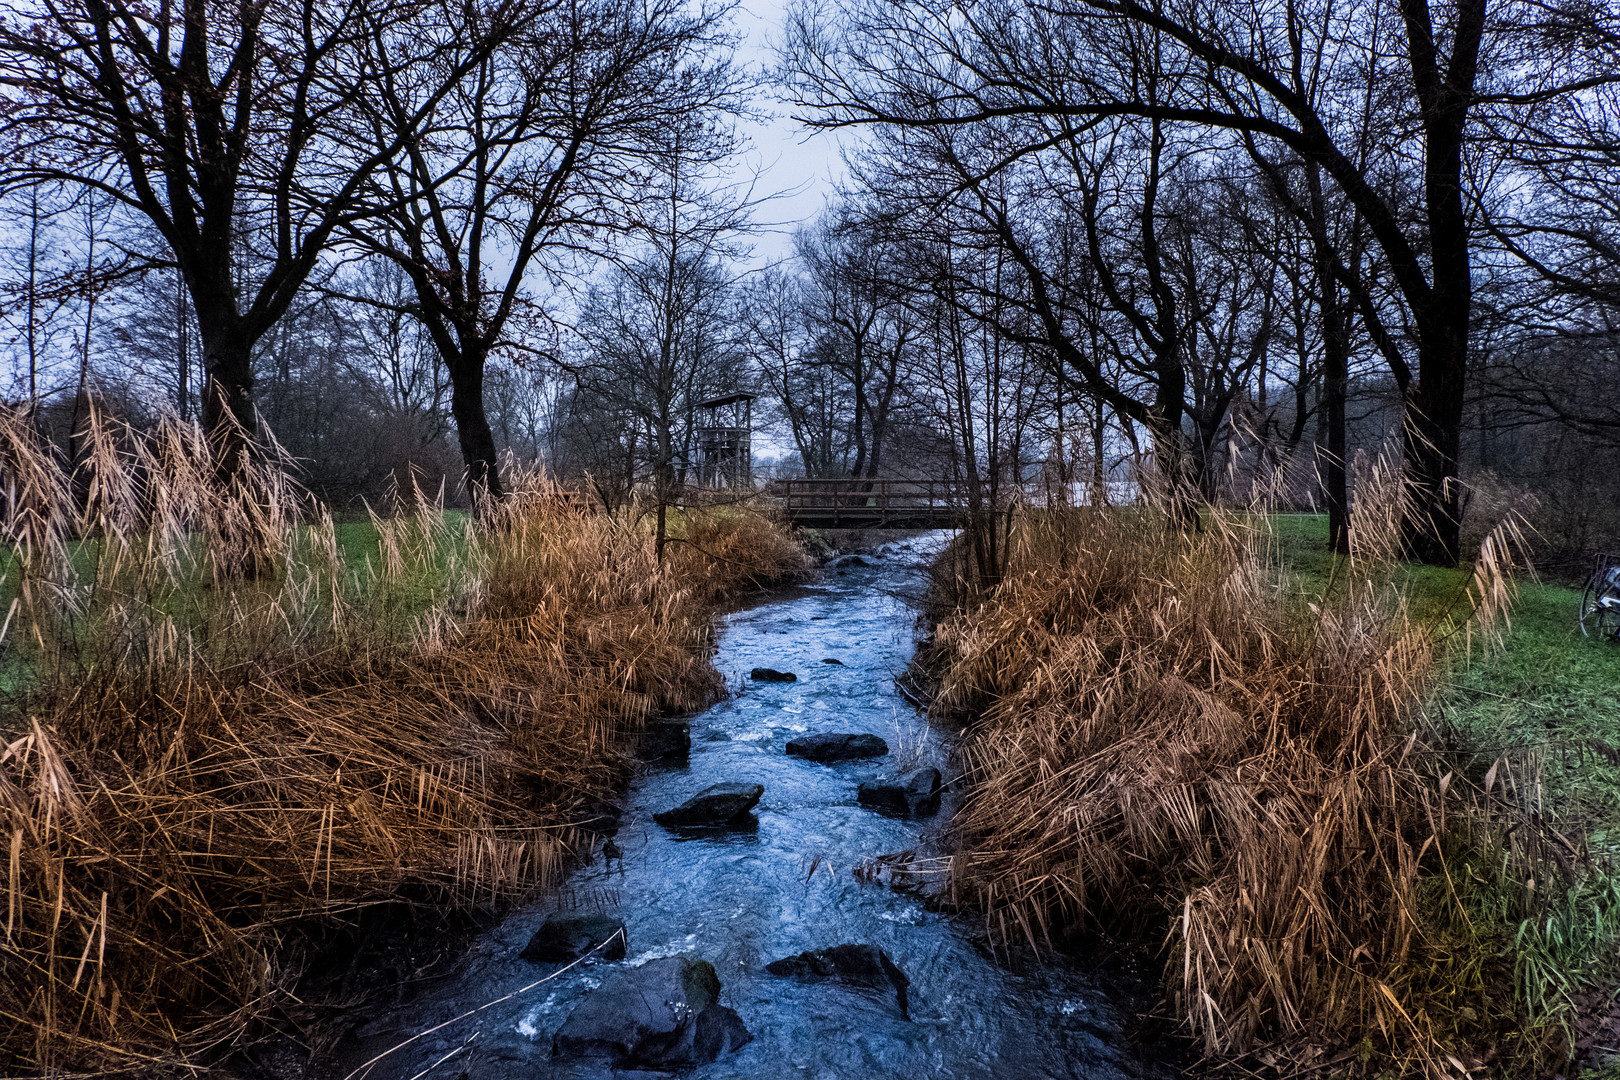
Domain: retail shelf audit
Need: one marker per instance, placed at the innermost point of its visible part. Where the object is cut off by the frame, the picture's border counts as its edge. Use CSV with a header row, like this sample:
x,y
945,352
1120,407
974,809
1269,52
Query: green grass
x,y
1548,701
392,608
1432,592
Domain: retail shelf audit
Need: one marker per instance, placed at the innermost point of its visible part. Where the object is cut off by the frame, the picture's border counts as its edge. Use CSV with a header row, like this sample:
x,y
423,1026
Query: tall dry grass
x,y
1167,735
220,730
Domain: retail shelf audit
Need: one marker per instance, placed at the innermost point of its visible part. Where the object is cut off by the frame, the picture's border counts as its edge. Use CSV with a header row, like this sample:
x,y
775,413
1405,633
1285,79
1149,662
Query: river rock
x,y
664,1014
861,965
915,795
853,560
721,804
837,746
765,674
666,739
562,938
830,660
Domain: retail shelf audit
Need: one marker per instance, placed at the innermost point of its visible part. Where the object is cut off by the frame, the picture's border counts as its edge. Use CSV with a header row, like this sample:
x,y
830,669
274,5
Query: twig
x,y
446,1057
364,1069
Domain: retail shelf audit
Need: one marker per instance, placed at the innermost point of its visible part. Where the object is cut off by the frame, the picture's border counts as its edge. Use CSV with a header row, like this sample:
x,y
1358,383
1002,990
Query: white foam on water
x,y
526,1026
669,948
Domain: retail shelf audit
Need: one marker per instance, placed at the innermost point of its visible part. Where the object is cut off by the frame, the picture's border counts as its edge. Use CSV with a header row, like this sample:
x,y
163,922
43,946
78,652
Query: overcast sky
x,y
800,165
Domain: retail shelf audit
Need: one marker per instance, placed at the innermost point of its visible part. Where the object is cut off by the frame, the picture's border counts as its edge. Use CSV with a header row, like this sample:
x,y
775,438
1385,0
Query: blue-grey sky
x,y
801,166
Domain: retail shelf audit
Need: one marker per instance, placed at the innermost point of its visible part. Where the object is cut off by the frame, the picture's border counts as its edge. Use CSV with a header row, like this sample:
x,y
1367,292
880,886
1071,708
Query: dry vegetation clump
x,y
220,729
1164,735
1487,499
729,550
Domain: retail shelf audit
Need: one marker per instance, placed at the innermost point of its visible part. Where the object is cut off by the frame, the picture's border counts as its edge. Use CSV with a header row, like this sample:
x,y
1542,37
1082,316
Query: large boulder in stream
x,y
860,965
765,674
722,804
567,937
664,1014
837,746
914,795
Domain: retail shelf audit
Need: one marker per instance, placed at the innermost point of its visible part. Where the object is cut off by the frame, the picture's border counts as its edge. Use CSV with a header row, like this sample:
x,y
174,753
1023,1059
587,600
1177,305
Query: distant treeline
x,y
1072,240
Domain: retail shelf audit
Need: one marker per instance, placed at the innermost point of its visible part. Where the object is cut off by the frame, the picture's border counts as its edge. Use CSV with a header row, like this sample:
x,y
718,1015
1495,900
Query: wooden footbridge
x,y
852,503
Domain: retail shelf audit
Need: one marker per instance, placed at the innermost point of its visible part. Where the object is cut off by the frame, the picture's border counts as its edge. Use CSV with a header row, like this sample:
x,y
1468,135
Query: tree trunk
x,y
483,476
1170,449
1432,436
1335,370
228,415
230,423
1335,389
1434,404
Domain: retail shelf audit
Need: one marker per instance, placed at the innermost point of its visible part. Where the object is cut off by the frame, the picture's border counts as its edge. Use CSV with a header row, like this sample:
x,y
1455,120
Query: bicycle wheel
x,y
1599,617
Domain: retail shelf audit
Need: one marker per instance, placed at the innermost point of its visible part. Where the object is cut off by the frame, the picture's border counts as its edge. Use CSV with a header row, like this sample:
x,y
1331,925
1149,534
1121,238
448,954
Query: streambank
x,y
803,872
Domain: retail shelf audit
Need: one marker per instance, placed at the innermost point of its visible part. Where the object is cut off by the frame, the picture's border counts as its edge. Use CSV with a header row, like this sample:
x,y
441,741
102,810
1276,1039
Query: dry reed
x,y
220,731
1165,733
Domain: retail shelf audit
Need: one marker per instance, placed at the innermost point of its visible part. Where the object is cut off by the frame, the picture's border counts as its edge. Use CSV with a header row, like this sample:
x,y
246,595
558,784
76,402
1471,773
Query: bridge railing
x,y
865,501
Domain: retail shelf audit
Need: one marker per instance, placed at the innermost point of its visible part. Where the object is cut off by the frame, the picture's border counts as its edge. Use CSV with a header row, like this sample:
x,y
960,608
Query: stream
x,y
803,879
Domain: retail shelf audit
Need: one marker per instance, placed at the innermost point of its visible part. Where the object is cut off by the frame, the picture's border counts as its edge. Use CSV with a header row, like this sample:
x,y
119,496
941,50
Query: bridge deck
x,y
850,503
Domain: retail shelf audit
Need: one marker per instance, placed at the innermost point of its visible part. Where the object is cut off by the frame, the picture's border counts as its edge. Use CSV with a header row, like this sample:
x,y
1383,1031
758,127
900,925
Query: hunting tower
x,y
725,443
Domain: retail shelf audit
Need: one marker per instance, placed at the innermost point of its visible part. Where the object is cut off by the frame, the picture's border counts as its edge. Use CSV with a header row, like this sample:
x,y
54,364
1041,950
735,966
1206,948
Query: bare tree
x,y
536,153
395,352
861,325
1231,67
220,125
814,400
1096,257
984,391
154,334
661,335
37,292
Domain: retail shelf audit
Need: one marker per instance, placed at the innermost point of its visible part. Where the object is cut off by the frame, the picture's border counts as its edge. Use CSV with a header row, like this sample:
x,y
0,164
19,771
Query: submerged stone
x,y
860,965
664,1014
721,804
599,817
665,739
830,660
564,938
914,795
765,674
837,746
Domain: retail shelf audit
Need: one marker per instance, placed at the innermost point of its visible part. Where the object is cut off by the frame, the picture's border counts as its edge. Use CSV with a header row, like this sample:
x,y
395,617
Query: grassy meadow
x,y
232,724
1367,810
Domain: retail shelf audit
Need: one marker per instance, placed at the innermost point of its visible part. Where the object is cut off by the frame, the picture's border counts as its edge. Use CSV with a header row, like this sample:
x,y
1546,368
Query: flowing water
x,y
796,882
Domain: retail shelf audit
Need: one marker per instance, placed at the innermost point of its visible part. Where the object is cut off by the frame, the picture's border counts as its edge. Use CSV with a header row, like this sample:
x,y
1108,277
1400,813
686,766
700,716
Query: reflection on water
x,y
784,883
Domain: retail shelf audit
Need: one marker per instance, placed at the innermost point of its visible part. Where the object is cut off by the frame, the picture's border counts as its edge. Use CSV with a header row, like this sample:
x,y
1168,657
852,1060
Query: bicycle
x,y
1600,601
